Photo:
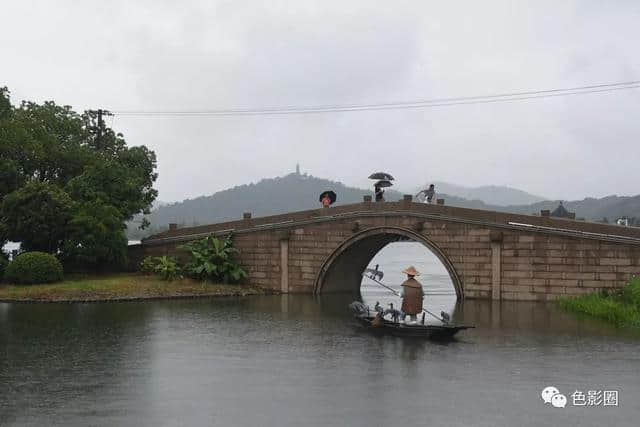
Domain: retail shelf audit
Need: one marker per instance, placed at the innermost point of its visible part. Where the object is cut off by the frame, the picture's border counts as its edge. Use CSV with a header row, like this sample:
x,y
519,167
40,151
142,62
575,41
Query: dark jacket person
x,y
412,293
379,192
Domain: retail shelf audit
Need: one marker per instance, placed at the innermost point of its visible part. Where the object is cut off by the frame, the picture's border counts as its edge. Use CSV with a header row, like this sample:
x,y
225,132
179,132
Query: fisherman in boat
x,y
412,295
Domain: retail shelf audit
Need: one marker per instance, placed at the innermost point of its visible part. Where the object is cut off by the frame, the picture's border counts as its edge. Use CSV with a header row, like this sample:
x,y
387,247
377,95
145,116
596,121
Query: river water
x,y
302,361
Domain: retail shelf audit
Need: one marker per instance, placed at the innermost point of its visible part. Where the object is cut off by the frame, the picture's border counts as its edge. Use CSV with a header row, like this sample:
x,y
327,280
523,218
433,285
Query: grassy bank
x,y
621,308
119,287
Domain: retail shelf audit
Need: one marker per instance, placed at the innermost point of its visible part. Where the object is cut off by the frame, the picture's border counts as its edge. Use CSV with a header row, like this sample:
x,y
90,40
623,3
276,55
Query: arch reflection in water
x,y
440,294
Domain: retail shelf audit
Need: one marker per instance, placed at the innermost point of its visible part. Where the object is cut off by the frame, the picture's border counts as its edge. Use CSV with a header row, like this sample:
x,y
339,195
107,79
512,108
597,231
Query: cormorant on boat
x,y
394,312
378,308
374,273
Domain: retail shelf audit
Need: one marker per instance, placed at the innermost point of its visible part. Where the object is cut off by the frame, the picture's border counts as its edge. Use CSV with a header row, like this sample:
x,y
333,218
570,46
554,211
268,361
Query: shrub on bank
x,y
34,267
622,308
631,292
165,267
148,265
214,259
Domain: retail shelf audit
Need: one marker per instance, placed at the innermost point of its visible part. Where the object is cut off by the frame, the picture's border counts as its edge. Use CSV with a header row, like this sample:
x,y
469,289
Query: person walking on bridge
x,y
326,201
379,193
429,194
412,295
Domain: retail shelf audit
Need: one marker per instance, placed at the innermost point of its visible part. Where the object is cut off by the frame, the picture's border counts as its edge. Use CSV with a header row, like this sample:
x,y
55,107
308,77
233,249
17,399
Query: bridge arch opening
x,y
342,271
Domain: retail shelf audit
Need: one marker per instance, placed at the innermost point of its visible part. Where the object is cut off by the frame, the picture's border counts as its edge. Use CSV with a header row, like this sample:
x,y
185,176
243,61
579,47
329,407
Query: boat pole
x,y
398,294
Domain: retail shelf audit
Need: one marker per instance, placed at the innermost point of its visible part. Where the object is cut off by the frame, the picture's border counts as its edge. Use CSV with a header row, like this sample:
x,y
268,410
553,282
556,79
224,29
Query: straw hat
x,y
411,271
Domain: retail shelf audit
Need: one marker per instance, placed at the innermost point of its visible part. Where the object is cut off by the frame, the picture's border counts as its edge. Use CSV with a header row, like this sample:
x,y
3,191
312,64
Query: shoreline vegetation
x,y
34,277
121,287
621,308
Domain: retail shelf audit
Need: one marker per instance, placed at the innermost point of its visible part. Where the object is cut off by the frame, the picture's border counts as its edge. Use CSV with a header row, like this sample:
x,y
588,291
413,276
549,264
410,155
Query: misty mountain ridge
x,y
296,192
489,194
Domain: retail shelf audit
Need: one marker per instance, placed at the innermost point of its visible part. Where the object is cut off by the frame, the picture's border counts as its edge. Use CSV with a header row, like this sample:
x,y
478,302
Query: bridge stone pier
x,y
490,255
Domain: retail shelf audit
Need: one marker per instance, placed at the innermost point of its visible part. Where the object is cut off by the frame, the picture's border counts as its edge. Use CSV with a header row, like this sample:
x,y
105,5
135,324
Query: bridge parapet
x,y
443,212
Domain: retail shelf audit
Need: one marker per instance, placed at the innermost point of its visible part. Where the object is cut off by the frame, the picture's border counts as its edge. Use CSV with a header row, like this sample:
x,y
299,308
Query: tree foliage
x,y
68,185
3,265
95,235
37,215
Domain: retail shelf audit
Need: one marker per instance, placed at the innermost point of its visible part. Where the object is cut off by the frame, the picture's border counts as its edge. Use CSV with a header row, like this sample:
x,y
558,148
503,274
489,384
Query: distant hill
x,y
590,209
490,194
609,207
295,192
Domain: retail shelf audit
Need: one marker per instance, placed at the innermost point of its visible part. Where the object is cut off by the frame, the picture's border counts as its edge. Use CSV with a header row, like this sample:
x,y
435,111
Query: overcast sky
x,y
195,55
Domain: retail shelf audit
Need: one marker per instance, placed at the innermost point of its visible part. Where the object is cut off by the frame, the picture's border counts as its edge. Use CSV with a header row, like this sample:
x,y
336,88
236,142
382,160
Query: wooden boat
x,y
417,330
377,323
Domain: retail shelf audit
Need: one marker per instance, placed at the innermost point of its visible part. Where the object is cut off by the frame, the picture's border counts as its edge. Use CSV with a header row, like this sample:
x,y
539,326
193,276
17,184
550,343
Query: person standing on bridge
x,y
412,295
327,198
429,194
379,192
326,201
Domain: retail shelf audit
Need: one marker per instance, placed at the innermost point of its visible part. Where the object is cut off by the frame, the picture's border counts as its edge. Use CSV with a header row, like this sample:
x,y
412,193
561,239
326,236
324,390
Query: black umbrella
x,y
381,175
383,184
331,194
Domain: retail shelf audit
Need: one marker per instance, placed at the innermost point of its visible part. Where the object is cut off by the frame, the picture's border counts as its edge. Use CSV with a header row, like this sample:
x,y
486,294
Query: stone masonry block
x,y
565,268
597,268
563,282
516,260
579,276
548,274
516,274
628,269
615,261
598,284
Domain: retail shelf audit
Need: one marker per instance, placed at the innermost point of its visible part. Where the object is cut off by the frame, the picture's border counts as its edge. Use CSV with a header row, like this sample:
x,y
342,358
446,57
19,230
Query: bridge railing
x,y
407,208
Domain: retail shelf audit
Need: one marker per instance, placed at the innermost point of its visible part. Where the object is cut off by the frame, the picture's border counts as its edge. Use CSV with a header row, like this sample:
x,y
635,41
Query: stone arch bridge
x,y
489,255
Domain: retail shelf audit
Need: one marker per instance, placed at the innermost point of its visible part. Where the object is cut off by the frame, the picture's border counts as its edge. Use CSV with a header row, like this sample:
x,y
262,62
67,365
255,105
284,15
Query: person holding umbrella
x,y
327,198
379,192
384,180
378,187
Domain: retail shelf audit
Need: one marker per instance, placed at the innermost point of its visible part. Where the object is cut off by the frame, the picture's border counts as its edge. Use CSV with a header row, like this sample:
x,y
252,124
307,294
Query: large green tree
x,y
37,215
68,184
